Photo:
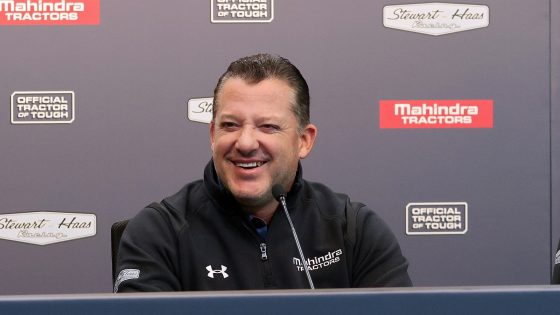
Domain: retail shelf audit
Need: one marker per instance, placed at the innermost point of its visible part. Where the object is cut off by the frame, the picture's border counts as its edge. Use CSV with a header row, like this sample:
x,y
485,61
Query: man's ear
x,y
307,139
212,129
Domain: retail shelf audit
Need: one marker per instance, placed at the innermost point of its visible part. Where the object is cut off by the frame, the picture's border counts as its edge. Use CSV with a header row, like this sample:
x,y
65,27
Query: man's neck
x,y
264,213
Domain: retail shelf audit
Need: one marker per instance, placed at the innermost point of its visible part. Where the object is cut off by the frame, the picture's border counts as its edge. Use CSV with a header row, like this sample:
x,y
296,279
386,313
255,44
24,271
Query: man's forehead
x,y
269,90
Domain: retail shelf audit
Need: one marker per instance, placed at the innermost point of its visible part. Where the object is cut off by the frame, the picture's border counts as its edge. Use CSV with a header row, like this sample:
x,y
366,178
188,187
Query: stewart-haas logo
x,y
436,114
436,18
42,228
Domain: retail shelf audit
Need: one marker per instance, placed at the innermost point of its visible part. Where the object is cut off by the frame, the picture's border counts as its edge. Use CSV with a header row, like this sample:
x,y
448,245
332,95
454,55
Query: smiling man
x,y
228,231
257,141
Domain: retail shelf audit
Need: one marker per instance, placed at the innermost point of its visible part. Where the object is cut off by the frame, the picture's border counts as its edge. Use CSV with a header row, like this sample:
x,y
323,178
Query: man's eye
x,y
270,127
228,125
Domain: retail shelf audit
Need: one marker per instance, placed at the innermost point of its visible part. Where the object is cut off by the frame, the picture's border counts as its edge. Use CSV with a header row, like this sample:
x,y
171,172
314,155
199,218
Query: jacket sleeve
x,y
377,257
147,259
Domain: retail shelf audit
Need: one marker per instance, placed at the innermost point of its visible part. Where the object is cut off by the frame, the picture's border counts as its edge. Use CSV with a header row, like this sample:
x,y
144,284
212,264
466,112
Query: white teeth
x,y
249,165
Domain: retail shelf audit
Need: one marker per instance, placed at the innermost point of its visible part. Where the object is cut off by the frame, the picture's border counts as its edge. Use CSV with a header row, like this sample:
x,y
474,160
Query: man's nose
x,y
247,141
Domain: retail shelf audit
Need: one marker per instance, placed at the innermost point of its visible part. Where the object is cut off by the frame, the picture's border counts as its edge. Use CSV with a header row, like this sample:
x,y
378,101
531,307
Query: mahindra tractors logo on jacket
x,y
319,262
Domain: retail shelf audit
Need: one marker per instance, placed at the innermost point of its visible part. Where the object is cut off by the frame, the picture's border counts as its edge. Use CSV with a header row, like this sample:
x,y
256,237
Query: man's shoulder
x,y
172,210
328,201
191,194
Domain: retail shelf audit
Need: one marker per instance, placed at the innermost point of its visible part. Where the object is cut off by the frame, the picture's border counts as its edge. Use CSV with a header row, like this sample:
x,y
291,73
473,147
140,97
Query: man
x,y
228,232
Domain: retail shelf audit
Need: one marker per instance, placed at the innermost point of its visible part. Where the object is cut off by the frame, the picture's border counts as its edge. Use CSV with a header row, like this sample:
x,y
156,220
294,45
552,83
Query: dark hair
x,y
256,68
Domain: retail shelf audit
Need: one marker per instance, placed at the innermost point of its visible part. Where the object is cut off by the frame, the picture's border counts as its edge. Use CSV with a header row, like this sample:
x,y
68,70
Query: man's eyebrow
x,y
228,116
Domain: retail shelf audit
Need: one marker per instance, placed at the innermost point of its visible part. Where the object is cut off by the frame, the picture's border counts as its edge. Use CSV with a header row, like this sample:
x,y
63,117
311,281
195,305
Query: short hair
x,y
256,68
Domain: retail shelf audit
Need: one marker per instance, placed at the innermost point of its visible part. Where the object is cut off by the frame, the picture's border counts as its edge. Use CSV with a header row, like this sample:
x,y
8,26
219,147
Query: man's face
x,y
255,139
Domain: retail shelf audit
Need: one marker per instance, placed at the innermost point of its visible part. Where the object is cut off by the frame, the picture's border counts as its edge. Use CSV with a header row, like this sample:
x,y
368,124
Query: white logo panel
x,y
43,228
436,18
200,109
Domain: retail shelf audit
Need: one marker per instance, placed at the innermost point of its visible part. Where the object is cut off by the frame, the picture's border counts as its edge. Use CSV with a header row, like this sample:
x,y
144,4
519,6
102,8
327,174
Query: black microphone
x,y
280,196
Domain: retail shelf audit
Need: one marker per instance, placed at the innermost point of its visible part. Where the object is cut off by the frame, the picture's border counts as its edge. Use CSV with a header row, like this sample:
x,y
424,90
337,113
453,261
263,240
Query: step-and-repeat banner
x,y
439,116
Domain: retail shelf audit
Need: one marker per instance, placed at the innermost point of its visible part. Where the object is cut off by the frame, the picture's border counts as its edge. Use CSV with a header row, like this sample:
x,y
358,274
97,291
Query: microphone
x,y
280,196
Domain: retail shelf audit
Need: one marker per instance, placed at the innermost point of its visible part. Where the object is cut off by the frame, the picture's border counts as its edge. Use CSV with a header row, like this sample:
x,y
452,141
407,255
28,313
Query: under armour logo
x,y
222,271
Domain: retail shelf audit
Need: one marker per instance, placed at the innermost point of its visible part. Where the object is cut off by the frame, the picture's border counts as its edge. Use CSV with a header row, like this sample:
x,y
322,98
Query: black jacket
x,y
199,239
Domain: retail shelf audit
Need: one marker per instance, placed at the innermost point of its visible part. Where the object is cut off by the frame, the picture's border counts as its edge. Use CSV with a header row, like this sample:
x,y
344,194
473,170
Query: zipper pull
x,y
264,256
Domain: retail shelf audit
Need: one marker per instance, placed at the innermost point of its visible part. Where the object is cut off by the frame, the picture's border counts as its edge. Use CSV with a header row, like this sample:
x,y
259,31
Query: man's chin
x,y
251,199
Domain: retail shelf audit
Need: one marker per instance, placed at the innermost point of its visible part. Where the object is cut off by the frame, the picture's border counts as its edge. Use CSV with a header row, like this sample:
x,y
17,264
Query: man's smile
x,y
249,165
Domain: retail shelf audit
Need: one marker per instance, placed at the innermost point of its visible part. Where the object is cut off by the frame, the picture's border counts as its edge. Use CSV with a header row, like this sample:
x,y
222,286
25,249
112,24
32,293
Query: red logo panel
x,y
49,12
404,114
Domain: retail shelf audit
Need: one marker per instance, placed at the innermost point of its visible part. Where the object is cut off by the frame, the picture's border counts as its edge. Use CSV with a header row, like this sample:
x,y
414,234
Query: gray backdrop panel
x,y
131,142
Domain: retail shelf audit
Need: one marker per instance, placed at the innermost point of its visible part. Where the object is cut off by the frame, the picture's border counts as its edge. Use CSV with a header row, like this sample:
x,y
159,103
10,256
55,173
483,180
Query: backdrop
x,y
441,117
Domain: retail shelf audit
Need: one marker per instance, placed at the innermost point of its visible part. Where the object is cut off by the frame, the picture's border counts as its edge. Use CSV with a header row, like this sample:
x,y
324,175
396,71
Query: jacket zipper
x,y
264,255
268,279
267,276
